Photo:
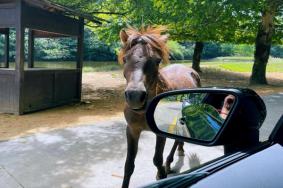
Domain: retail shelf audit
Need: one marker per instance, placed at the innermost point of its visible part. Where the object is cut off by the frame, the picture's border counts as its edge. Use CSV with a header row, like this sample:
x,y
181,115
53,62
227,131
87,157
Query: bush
x,y
276,51
1,46
211,50
227,50
244,50
176,50
188,50
97,50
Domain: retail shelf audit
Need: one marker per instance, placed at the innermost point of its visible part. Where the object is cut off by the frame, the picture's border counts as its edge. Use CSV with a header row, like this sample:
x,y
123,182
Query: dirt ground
x,y
103,100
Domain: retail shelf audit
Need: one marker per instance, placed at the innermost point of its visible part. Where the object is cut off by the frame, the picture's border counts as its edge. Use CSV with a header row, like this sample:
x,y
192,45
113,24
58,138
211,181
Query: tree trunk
x,y
262,47
197,55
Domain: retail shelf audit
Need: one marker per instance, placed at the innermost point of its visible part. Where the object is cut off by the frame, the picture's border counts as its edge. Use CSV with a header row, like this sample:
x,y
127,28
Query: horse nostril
x,y
135,96
127,95
143,96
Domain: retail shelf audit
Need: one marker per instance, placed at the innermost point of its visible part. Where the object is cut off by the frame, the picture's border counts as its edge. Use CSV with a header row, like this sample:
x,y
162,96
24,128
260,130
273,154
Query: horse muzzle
x,y
136,99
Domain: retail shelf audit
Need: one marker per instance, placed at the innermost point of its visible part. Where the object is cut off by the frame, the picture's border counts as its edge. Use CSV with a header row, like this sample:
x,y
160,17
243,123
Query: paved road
x,y
93,155
274,106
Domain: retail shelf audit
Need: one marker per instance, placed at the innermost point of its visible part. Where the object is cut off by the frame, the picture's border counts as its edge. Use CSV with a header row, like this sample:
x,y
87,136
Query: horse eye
x,y
124,60
158,61
134,42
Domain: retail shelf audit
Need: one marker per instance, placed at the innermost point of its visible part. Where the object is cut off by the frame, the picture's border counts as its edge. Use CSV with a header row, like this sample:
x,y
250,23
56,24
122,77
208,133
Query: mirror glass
x,y
193,115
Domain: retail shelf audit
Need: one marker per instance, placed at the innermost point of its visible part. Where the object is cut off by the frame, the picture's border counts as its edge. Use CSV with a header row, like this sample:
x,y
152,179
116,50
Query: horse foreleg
x,y
181,151
158,157
132,148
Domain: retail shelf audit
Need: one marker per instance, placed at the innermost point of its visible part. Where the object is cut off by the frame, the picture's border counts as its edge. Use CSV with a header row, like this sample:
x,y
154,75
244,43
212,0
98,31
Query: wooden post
x,y
19,79
31,48
80,41
6,58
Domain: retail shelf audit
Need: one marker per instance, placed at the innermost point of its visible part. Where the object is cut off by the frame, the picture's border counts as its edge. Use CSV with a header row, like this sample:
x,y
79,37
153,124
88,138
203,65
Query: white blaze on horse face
x,y
135,93
134,67
136,81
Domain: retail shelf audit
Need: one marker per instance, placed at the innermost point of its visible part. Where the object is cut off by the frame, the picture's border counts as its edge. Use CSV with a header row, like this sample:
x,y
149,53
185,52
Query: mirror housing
x,y
239,130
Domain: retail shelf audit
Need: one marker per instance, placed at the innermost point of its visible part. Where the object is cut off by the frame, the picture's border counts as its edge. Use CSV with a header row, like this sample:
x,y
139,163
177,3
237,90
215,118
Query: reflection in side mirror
x,y
198,116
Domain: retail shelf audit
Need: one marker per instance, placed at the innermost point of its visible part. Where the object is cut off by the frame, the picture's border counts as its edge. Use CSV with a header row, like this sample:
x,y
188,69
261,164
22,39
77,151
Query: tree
x,y
263,41
200,21
197,56
231,21
186,20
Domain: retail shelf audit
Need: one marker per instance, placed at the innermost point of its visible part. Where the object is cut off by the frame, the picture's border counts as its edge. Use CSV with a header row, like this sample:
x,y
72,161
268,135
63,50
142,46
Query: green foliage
x,y
212,50
227,21
176,50
54,49
1,47
181,51
227,49
189,20
12,44
64,48
221,22
95,49
244,50
277,51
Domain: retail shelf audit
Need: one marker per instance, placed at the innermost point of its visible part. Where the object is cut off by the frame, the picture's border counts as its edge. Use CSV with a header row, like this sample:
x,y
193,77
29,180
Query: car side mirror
x,y
206,116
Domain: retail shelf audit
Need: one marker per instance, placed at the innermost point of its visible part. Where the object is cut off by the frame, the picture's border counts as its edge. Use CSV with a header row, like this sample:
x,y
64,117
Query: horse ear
x,y
164,38
123,36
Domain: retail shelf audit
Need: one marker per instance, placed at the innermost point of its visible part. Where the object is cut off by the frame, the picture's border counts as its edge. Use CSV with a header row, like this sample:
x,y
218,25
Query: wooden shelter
x,y
26,89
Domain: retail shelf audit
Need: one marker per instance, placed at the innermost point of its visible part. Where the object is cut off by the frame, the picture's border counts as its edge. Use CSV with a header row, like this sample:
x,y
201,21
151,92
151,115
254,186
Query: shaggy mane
x,y
153,38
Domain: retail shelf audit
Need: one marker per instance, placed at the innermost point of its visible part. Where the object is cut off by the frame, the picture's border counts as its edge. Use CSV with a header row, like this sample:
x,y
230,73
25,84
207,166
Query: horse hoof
x,y
181,153
161,174
168,169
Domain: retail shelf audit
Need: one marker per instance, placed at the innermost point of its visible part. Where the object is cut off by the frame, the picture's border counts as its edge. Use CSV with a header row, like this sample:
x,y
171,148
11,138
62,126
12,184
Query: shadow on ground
x,y
67,158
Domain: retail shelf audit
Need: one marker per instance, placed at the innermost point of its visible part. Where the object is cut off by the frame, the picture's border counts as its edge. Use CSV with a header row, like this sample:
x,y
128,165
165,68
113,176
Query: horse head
x,y
141,53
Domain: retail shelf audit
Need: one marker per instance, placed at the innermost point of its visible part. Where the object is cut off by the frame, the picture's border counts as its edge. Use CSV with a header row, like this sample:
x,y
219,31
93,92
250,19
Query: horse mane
x,y
153,37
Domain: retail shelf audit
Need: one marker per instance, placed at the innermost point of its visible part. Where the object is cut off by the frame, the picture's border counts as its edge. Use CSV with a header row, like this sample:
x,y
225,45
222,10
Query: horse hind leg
x,y
181,151
170,157
158,157
132,148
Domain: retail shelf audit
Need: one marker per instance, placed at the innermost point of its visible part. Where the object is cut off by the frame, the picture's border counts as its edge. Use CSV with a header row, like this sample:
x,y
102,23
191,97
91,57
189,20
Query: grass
x,y
101,66
238,64
247,67
234,64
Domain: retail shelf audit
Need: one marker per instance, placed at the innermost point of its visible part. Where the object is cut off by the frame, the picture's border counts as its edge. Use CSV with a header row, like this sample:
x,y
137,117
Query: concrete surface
x,y
93,156
87,156
274,106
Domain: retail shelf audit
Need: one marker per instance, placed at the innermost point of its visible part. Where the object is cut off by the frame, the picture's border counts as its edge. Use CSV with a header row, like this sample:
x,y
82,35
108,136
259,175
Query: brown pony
x,y
141,53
